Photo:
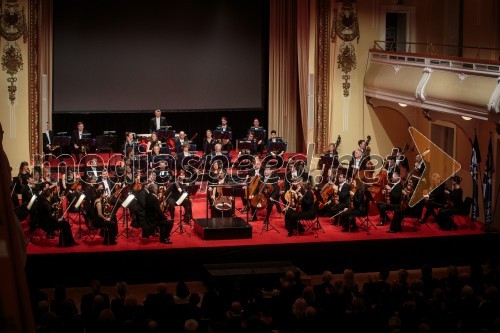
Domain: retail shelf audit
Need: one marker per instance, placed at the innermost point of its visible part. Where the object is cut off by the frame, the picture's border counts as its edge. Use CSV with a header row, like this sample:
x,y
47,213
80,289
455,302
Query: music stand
x,y
259,133
251,146
188,191
220,135
276,146
125,215
164,134
78,205
367,223
209,148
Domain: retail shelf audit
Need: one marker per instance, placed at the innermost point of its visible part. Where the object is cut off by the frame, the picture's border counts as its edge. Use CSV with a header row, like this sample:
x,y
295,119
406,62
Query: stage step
x,y
222,228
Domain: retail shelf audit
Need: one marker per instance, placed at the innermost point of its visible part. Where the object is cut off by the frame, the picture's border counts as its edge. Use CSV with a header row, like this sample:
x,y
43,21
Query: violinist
x,y
340,198
357,203
101,219
393,192
182,155
435,199
453,206
173,192
92,169
107,183
307,210
43,216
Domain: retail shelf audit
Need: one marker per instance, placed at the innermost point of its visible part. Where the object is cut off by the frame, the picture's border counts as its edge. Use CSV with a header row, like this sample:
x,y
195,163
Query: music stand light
x,y
131,197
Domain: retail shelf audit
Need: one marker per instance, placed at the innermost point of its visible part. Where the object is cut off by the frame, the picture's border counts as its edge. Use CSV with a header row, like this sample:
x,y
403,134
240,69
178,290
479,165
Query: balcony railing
x,y
471,52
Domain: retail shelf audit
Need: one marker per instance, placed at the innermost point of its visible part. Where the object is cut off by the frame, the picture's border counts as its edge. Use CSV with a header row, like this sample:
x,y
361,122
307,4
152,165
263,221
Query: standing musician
x,y
391,166
402,161
358,162
208,140
332,151
363,147
454,205
48,147
44,216
139,209
307,209
268,185
340,198
77,135
393,193
436,198
418,169
157,122
174,192
154,215
357,206
105,218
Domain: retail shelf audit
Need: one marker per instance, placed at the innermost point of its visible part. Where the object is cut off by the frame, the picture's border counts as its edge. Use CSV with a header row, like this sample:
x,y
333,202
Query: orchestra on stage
x,y
152,186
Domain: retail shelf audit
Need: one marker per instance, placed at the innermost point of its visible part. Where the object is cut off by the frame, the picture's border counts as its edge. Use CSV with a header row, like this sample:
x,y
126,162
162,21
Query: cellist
x,y
272,180
307,211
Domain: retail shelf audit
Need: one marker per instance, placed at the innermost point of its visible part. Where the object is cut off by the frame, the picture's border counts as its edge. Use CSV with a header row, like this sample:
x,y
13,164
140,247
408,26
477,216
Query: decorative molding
x,y
397,68
462,76
34,84
420,92
494,103
322,75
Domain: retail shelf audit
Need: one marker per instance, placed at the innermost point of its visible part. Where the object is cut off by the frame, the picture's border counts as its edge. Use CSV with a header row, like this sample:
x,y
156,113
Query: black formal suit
x,y
174,192
152,124
75,137
402,162
180,158
48,139
361,164
344,193
273,194
308,212
140,213
92,171
348,220
155,217
395,196
453,207
399,215
42,213
220,128
178,145
437,199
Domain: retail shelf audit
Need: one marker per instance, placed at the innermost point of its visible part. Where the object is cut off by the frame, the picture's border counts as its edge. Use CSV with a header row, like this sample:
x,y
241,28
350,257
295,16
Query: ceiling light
x,y
466,118
403,105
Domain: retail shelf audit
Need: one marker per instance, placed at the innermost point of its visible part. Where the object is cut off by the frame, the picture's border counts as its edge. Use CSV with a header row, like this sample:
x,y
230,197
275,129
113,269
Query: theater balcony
x,y
433,77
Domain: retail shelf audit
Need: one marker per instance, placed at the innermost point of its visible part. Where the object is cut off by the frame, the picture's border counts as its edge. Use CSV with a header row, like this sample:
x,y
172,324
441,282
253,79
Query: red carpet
x,y
182,241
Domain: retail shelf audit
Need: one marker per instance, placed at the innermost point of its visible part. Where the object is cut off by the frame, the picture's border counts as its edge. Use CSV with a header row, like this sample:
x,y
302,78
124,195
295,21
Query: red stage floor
x,y
271,237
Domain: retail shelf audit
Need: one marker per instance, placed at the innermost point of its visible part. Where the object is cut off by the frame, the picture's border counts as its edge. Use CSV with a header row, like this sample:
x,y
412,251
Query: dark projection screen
x,y
121,56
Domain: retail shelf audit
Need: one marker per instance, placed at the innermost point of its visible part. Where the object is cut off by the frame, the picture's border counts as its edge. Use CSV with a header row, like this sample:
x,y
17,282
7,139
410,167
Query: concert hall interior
x,y
147,143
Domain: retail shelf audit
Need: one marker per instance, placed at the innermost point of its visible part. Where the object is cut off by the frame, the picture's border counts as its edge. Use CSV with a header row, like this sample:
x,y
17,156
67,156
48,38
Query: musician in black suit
x,y
174,192
357,163
157,122
434,199
308,211
180,141
274,138
402,161
182,155
163,173
76,136
454,205
223,125
92,170
250,139
270,193
348,220
154,215
44,216
400,214
343,190
48,139
395,190
258,135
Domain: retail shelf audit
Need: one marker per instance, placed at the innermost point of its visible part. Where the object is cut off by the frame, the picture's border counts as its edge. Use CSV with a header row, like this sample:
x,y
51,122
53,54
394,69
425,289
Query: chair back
x,y
467,206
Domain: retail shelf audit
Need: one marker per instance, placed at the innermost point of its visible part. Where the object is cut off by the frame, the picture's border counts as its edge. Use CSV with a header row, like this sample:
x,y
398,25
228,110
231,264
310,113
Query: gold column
x,y
34,79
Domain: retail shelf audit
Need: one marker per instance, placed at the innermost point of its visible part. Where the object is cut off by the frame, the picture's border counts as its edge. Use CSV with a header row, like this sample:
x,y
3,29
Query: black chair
x,y
414,216
462,216
311,224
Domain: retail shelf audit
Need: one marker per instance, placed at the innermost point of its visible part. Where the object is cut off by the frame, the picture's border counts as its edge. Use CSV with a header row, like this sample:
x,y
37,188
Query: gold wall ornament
x,y
12,28
346,62
346,27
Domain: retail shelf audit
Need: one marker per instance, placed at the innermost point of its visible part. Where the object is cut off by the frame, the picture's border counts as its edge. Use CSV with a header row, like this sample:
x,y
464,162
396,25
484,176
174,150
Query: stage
x,y
138,260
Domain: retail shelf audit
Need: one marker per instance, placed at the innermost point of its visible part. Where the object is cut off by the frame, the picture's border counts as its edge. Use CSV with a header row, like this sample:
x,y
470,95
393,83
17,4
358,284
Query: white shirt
x,y
48,136
106,186
80,135
158,125
224,127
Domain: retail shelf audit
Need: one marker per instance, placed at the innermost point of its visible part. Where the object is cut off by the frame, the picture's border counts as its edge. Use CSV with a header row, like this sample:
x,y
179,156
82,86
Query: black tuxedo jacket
x,y
75,137
152,123
154,215
396,193
345,194
178,145
228,128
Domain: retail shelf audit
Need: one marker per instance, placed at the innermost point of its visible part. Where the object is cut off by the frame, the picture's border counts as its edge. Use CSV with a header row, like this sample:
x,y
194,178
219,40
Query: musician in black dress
x,y
307,211
453,206
155,216
46,218
208,141
394,189
435,199
103,218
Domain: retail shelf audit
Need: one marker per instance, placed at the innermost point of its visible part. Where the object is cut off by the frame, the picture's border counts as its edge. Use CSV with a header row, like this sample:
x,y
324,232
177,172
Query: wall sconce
x,y
403,105
466,118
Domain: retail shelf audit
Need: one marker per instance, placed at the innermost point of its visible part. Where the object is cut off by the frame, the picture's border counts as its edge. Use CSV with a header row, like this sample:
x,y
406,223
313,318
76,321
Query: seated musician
x,y
45,216
163,174
217,176
107,183
274,138
252,150
391,166
453,206
357,163
223,125
217,150
227,146
406,210
357,206
418,169
402,161
271,194
77,135
256,129
130,142
435,199
307,211
174,191
394,192
92,169
154,156
103,218
362,146
152,142
180,141
182,155
154,215
339,200
332,151
208,140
